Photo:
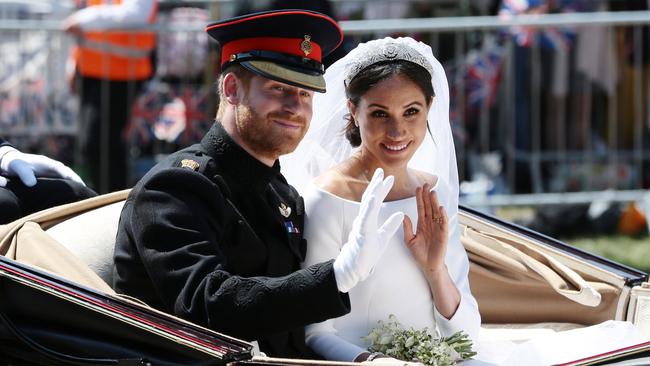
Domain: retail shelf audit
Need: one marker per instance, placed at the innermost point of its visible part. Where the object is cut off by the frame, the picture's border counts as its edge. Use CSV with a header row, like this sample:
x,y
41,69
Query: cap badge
x,y
233,57
284,210
189,164
305,45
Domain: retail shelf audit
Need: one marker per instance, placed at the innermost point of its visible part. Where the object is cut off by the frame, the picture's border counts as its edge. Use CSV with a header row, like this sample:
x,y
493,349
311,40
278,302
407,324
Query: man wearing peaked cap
x,y
286,46
214,233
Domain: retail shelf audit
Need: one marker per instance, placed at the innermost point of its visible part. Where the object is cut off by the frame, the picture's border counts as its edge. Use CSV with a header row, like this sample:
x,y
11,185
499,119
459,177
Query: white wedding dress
x,y
396,285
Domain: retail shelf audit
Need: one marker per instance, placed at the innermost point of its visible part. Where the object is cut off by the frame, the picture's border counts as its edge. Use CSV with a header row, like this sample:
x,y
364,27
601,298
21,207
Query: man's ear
x,y
231,88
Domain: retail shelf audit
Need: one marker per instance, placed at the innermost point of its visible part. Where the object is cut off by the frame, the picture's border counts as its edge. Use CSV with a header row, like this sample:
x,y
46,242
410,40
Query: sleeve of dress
x,y
179,235
466,317
110,16
324,231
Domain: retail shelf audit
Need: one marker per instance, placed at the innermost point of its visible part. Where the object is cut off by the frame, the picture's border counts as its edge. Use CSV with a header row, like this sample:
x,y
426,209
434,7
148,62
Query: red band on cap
x,y
291,46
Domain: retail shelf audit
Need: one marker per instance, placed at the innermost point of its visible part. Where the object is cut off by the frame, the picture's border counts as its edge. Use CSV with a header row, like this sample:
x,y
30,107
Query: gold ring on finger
x,y
437,220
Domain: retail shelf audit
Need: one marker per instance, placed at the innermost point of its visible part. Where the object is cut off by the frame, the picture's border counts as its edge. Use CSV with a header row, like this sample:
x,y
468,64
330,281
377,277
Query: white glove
x,y
29,166
366,243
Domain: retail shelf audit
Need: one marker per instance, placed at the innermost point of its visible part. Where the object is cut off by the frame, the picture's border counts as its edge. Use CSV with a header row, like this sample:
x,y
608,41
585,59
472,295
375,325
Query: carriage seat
x,y
91,236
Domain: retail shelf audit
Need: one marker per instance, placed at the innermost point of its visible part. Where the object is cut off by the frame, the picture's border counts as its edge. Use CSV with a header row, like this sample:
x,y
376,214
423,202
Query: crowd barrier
x,y
546,109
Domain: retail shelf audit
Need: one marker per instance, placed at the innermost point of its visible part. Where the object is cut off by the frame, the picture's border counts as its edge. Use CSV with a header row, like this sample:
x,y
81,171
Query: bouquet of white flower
x,y
391,339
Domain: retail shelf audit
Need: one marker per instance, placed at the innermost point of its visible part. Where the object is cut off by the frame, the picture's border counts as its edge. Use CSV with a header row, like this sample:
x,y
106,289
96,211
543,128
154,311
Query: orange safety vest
x,y
117,56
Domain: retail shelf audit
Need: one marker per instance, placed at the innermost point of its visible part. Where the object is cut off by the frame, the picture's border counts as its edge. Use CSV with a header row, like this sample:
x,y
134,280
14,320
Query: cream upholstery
x,y
518,280
518,283
91,237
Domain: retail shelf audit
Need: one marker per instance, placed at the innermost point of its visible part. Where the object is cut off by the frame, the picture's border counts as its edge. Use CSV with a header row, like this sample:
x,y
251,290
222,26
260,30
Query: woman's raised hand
x,y
429,243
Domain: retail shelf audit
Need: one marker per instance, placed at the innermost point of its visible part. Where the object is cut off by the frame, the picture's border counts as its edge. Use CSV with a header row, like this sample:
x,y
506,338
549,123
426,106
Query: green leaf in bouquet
x,y
392,339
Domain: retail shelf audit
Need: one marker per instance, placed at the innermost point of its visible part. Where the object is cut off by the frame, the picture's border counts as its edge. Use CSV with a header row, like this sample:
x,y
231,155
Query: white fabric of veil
x,y
325,145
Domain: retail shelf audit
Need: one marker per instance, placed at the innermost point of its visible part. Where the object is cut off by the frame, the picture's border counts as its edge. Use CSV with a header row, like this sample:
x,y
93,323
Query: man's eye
x,y
278,87
304,93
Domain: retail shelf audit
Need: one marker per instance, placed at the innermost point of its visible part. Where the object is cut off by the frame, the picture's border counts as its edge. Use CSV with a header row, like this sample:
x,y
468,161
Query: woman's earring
x,y
356,124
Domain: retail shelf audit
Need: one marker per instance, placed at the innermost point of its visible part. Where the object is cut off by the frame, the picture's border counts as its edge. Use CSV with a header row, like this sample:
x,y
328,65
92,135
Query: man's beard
x,y
260,135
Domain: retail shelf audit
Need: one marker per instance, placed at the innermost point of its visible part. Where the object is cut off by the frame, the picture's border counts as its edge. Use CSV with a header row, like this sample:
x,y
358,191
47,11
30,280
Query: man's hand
x,y
27,167
366,242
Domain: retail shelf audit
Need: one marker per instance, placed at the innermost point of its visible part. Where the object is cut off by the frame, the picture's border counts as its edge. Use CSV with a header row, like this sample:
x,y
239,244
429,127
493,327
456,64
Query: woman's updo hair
x,y
374,74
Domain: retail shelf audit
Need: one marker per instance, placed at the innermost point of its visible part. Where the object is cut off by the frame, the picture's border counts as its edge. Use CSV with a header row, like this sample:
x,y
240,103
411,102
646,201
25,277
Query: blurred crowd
x,y
560,87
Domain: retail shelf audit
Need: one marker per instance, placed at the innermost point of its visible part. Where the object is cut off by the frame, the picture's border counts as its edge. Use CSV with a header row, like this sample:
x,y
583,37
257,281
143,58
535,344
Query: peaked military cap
x,y
284,45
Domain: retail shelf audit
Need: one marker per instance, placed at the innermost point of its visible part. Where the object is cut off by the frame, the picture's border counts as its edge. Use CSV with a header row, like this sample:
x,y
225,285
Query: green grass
x,y
634,252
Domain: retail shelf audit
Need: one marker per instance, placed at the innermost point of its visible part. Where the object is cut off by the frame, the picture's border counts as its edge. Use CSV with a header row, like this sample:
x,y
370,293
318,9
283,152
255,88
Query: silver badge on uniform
x,y
284,210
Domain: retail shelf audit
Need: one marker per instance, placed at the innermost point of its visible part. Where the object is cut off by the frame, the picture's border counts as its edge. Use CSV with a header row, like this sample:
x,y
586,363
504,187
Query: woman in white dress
x,y
391,99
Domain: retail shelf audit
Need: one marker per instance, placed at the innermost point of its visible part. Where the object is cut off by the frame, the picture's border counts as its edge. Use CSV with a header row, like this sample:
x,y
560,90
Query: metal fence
x,y
558,118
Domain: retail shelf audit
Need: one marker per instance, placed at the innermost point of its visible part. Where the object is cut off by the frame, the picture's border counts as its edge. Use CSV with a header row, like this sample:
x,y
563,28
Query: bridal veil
x,y
325,144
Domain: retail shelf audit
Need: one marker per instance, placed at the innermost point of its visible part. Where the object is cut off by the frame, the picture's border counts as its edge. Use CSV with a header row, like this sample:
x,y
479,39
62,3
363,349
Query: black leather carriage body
x,y
47,320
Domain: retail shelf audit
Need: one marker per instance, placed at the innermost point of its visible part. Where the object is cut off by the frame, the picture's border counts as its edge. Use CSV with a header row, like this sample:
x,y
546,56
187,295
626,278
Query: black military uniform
x,y
212,234
17,200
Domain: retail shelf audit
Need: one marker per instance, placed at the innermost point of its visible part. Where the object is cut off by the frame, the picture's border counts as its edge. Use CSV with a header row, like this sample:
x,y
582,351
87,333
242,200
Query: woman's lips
x,y
395,147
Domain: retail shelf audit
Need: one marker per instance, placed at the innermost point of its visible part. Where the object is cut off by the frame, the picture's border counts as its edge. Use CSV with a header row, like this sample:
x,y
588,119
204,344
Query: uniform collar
x,y
236,162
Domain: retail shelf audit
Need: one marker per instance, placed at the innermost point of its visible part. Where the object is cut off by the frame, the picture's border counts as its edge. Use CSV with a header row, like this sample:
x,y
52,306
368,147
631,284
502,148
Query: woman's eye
x,y
411,112
379,114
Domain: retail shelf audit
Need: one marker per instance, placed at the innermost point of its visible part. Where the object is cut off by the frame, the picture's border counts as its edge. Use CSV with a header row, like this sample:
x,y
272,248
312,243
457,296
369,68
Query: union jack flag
x,y
176,114
483,74
552,37
478,76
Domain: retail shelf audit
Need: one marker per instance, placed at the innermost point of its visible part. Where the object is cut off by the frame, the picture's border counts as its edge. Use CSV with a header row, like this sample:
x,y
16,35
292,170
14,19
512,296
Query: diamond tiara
x,y
391,51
